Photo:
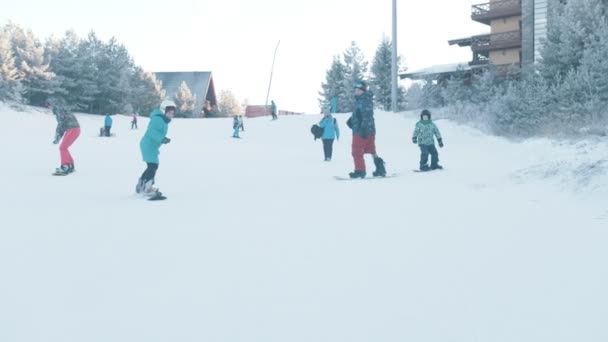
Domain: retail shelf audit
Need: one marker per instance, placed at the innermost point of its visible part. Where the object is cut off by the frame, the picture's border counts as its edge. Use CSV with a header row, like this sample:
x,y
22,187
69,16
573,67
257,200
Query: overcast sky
x,y
235,39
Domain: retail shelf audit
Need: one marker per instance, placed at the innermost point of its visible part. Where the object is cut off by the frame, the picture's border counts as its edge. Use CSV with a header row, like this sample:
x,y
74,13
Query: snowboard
x,y
416,170
59,174
158,196
390,175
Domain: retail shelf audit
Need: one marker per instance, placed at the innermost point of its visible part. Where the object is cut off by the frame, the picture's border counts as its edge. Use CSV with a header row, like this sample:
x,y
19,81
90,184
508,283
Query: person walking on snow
x,y
236,127
155,136
107,125
331,131
364,132
424,135
68,128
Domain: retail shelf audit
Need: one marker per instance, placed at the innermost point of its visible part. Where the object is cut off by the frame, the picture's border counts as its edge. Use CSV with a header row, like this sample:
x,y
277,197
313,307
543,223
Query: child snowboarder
x,y
236,126
331,131
68,128
424,135
150,143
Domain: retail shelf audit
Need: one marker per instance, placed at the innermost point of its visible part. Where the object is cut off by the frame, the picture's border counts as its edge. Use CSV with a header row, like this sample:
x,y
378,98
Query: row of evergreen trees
x,y
84,74
566,92
352,67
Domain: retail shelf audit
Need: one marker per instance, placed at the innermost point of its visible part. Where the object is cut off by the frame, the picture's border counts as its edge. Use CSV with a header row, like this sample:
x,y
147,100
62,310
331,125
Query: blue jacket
x,y
108,121
330,128
153,138
362,120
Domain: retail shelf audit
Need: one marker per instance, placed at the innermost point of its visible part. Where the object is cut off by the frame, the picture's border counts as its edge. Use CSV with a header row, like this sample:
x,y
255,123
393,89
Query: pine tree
x,y
381,75
356,70
37,80
228,105
10,85
146,92
185,101
334,86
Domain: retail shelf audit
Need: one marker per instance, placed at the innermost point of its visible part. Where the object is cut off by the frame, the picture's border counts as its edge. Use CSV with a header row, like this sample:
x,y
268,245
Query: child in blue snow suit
x,y
236,126
331,131
150,143
424,135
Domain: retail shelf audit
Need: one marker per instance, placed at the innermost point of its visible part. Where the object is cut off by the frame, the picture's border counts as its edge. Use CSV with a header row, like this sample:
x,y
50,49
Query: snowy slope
x,y
257,242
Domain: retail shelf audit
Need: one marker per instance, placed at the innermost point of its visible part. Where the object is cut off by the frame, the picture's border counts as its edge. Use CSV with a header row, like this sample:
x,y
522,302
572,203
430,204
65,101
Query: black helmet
x,y
425,112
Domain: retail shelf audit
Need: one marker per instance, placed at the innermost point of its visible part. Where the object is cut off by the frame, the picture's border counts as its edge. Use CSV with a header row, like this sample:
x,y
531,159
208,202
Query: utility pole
x,y
394,71
271,71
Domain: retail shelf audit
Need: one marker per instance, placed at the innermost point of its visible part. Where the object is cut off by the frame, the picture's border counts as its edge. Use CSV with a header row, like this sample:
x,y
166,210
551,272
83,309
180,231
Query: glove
x,y
55,142
166,140
415,140
440,141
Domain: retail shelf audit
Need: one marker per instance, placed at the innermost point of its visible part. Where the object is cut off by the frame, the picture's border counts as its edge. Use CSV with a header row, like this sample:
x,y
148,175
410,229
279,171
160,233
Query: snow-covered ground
x,y
257,241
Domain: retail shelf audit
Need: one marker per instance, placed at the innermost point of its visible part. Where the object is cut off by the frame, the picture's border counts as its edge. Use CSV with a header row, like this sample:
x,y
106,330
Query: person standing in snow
x,y
424,135
67,131
155,136
134,121
364,132
273,110
241,123
331,131
235,127
107,125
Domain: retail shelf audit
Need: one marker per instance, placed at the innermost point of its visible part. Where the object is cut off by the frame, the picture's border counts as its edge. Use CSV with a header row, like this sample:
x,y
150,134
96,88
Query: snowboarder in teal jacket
x,y
150,143
424,135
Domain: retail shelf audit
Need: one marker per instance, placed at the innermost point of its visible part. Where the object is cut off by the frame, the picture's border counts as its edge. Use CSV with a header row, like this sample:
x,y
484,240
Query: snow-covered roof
x,y
200,84
437,70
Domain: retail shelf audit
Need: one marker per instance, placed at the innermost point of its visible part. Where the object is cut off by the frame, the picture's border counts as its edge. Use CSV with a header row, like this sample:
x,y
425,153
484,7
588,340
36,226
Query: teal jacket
x,y
108,121
153,138
425,132
330,128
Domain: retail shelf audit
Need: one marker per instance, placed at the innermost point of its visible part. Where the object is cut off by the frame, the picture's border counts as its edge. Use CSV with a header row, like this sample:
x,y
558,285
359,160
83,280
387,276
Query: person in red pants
x,y
364,132
68,128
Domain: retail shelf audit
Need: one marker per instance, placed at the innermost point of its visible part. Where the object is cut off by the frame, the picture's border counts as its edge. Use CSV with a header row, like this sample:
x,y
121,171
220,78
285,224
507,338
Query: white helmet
x,y
167,103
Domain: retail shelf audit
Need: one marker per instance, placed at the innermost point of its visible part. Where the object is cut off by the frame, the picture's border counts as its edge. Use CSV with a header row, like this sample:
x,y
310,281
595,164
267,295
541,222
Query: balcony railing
x,y
496,41
484,13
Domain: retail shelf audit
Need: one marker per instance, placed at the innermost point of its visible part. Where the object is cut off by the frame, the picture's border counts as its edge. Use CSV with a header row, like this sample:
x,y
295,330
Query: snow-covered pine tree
x,y
146,92
10,83
356,70
381,80
38,82
185,101
334,86
228,105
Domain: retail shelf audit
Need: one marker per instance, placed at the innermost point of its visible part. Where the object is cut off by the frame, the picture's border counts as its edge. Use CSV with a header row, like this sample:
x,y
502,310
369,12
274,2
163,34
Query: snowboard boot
x,y
357,174
62,170
380,169
424,167
139,188
71,168
149,189
436,167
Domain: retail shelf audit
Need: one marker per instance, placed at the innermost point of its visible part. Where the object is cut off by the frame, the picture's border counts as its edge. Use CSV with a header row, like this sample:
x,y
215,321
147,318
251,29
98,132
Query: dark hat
x,y
361,85
425,112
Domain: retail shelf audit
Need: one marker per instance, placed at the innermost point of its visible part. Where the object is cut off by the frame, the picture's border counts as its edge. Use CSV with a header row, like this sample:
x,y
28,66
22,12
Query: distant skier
x,y
241,123
107,125
424,135
134,121
155,136
236,127
364,132
273,110
331,131
68,128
